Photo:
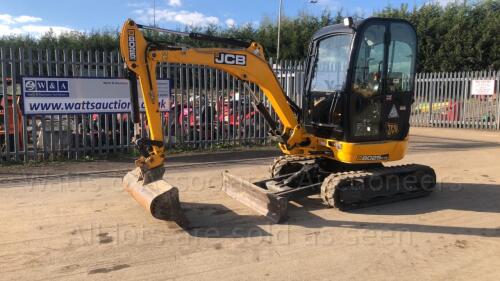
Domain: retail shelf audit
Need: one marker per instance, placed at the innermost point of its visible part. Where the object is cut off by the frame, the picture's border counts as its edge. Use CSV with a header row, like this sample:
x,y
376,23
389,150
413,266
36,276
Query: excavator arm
x,y
248,64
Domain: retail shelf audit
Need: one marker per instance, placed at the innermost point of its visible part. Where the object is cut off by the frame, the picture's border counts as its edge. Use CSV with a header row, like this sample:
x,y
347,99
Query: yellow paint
x,y
256,70
425,107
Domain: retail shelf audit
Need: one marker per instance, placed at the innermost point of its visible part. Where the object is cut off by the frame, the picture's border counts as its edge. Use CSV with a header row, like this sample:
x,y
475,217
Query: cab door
x,y
382,81
399,86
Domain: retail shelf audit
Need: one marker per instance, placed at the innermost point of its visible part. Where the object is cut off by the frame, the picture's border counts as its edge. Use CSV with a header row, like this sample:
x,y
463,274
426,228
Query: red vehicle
x,y
193,119
237,114
452,111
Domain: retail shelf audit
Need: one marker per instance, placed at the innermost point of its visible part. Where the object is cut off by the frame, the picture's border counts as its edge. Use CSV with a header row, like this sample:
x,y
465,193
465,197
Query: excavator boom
x,y
247,63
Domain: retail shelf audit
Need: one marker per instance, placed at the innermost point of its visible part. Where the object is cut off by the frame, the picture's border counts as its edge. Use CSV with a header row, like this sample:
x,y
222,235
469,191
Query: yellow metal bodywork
x,y
256,70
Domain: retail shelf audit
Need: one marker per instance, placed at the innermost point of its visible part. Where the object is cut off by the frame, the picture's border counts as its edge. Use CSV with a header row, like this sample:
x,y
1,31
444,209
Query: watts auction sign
x,y
42,95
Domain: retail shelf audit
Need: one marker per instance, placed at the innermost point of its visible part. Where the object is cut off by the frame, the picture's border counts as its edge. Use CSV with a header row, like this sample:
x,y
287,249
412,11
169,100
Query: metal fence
x,y
209,109
445,100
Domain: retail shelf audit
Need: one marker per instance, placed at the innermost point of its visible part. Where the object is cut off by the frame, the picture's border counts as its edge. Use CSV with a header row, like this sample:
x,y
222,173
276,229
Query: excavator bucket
x,y
257,198
159,197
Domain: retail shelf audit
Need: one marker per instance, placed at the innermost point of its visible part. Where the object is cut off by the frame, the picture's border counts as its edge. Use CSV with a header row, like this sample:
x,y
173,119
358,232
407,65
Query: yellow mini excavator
x,y
354,117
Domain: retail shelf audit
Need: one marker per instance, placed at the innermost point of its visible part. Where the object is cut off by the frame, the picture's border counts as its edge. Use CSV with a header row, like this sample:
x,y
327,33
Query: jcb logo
x,y
132,47
232,59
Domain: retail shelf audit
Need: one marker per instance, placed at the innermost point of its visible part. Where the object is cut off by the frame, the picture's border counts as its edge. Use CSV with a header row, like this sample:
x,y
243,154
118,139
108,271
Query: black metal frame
x,y
346,93
292,186
200,36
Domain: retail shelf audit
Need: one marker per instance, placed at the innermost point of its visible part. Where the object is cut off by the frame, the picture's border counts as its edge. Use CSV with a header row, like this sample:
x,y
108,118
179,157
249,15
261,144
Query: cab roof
x,y
341,28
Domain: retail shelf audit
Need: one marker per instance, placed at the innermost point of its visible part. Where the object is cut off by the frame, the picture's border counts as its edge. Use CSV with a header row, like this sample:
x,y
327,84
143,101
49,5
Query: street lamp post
x,y
279,31
154,13
279,26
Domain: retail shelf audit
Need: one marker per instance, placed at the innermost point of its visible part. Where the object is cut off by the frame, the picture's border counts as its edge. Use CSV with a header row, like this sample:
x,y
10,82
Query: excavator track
x,y
287,164
345,190
358,189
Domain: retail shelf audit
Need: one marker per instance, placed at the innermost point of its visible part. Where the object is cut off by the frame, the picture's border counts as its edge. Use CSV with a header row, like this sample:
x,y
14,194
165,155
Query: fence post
x,y
431,96
461,105
6,128
24,121
14,106
497,98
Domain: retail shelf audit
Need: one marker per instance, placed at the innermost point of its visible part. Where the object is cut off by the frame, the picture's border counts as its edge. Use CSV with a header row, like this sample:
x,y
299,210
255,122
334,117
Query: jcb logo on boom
x,y
232,59
132,48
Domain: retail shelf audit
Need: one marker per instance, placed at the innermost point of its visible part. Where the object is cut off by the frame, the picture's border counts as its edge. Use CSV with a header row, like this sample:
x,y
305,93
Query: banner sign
x,y
483,87
42,95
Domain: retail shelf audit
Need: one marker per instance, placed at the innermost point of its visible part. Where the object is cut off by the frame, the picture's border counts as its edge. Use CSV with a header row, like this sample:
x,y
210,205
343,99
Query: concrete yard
x,y
63,221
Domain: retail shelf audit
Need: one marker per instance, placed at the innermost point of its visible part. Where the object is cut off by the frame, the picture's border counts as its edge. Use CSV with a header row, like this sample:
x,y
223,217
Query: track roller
x,y
356,189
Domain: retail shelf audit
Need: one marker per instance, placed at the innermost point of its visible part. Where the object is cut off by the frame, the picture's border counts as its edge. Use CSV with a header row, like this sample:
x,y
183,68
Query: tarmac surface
x,y
73,221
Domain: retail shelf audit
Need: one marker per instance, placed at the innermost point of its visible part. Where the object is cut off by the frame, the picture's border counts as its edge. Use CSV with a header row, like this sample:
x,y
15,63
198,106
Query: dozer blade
x,y
159,197
259,199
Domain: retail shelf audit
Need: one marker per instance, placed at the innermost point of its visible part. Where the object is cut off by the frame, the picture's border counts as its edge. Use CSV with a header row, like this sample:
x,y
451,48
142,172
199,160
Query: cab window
x,y
402,54
370,62
367,82
331,64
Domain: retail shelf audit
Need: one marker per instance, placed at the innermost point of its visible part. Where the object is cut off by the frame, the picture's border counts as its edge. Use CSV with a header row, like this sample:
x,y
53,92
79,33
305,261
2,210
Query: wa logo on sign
x,y
30,85
46,88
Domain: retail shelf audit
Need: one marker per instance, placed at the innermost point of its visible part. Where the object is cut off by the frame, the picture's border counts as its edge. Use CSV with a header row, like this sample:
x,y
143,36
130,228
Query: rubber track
x,y
334,181
282,160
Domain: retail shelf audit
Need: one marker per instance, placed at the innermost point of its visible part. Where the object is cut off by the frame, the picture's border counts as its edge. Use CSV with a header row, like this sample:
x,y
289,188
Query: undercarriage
x,y
340,185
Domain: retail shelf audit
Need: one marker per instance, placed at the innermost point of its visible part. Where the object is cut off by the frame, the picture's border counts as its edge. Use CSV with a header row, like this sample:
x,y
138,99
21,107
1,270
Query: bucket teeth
x,y
160,198
260,200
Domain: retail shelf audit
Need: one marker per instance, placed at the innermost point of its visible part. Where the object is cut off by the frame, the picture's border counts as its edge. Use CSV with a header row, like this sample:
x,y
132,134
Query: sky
x,y
36,17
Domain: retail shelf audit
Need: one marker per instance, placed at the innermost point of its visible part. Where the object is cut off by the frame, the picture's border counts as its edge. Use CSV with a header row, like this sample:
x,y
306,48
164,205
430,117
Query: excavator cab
x,y
360,79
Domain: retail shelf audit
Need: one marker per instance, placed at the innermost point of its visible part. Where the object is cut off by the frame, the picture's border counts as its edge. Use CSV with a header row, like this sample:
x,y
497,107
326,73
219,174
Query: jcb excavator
x,y
355,116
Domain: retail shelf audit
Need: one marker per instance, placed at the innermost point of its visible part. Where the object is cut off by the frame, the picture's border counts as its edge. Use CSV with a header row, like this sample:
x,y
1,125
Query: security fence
x,y
445,100
209,108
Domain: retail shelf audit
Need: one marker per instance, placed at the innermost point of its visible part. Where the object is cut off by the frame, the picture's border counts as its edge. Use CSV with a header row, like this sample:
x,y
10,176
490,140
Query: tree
x,y
458,37
461,36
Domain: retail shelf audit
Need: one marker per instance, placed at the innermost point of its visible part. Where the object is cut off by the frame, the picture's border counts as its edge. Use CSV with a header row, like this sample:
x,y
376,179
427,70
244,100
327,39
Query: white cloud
x,y
138,4
230,22
9,19
18,25
174,3
444,3
6,19
27,19
7,30
33,30
183,17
